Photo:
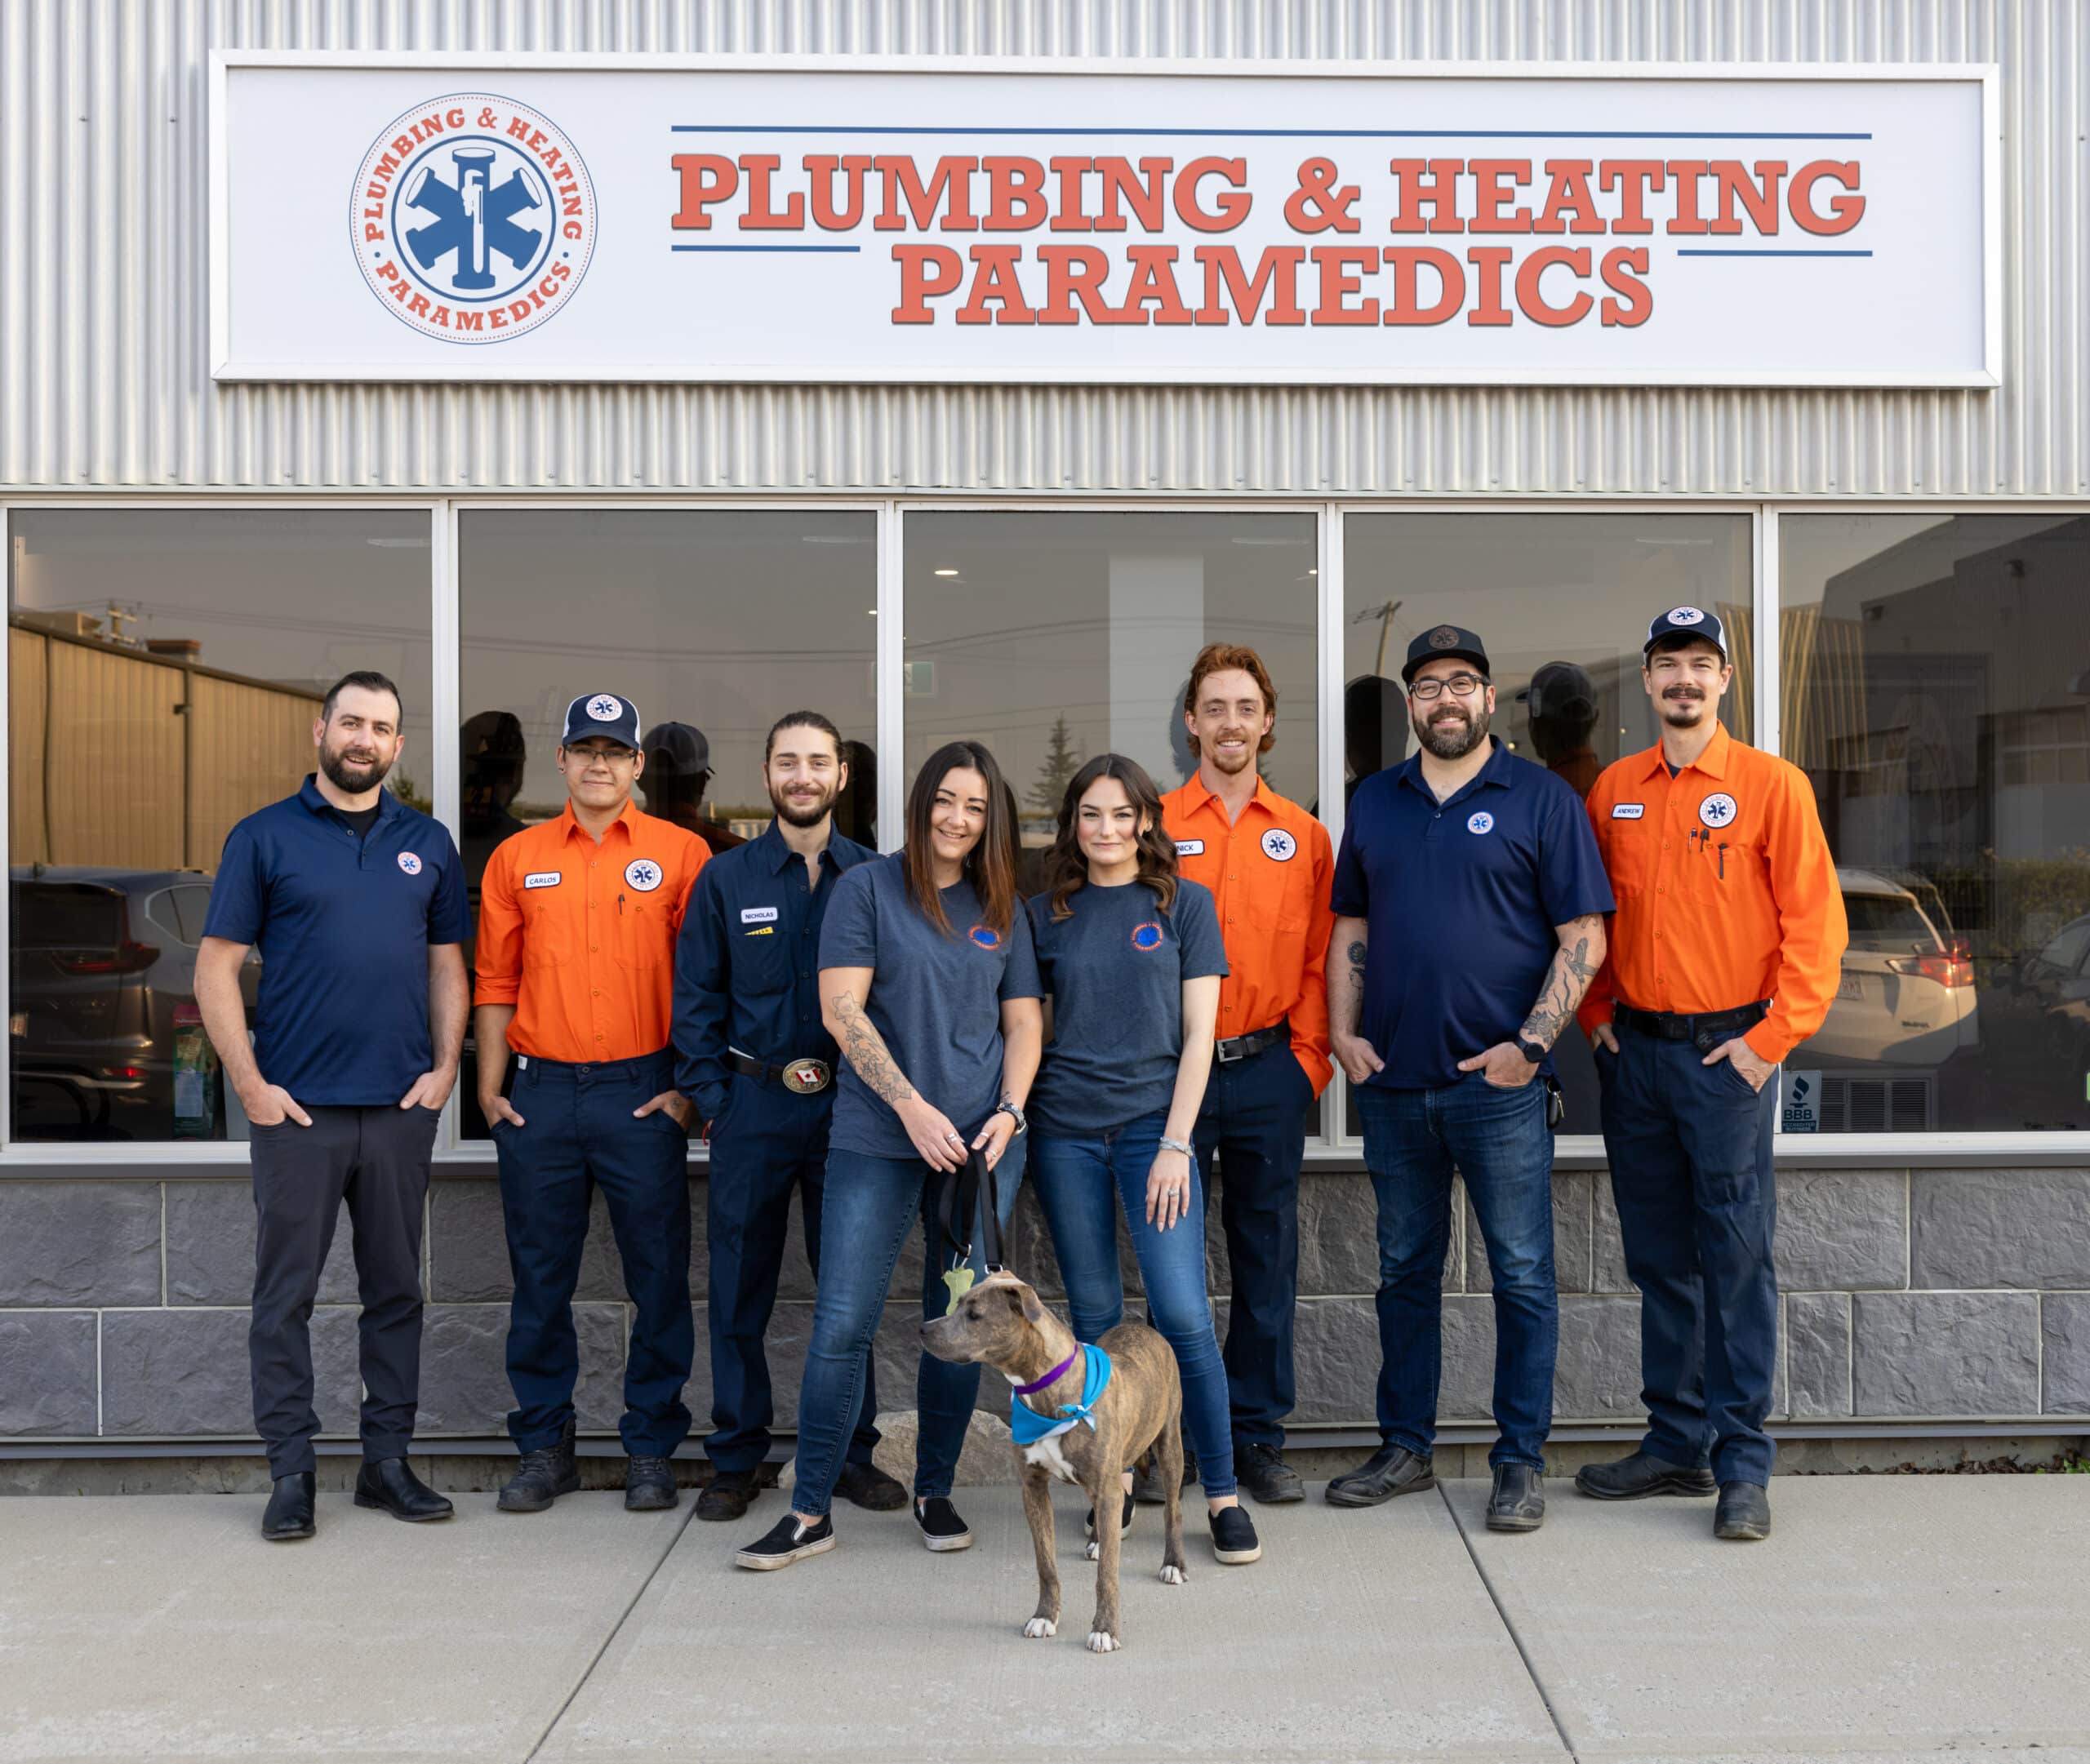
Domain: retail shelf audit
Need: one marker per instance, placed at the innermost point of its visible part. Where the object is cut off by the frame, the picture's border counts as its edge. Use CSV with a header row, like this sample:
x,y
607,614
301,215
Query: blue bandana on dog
x,y
1029,1427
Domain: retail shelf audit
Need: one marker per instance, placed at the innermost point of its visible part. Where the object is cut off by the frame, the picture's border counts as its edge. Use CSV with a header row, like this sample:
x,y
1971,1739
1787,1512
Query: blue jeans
x,y
1079,1183
1498,1140
869,1205
1690,1151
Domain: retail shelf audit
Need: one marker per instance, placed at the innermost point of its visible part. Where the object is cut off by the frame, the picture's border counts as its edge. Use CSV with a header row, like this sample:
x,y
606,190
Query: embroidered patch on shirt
x,y
758,915
1629,811
1278,846
1716,810
544,878
1189,847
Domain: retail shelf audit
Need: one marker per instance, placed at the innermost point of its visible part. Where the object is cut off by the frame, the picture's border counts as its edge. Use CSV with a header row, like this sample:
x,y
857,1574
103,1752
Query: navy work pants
x,y
766,1142
1690,1151
578,1134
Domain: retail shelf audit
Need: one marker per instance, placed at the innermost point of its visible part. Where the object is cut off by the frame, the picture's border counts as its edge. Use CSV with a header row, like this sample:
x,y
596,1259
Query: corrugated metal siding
x,y
103,279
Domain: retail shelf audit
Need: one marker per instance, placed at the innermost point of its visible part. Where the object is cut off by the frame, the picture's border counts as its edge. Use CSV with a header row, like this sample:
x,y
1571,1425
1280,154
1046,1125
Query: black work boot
x,y
1262,1472
1146,1480
1391,1470
728,1495
1642,1474
542,1477
1744,1513
649,1485
866,1486
389,1483
1518,1500
290,1509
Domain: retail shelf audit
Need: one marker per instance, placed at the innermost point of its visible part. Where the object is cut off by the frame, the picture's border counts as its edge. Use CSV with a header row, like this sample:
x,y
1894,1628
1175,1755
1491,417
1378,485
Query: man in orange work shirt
x,y
1269,864
1724,955
578,919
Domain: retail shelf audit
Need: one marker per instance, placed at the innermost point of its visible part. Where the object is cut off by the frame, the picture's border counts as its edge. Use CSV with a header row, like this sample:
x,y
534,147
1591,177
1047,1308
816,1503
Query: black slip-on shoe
x,y
542,1477
1146,1483
866,1486
289,1516
1642,1474
942,1527
390,1483
1234,1540
1744,1513
1262,1472
790,1540
1518,1500
729,1496
1088,1524
1391,1470
649,1485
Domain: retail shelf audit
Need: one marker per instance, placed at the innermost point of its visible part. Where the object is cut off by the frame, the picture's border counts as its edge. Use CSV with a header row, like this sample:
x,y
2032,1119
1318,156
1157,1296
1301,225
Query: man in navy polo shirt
x,y
1469,902
356,902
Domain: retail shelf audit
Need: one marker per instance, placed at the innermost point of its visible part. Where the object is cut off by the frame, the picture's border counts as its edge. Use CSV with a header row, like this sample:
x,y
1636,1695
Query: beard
x,y
804,814
1684,706
1230,767
1451,737
353,776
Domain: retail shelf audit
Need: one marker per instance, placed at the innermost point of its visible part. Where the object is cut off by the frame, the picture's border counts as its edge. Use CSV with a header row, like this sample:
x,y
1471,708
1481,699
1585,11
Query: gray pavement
x,y
1889,1617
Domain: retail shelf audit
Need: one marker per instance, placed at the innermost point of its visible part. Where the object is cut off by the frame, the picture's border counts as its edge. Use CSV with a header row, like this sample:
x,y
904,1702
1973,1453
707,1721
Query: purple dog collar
x,y
1052,1377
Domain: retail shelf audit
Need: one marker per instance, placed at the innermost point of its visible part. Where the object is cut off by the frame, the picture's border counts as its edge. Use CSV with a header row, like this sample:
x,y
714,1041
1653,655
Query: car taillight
x,y
127,957
1951,970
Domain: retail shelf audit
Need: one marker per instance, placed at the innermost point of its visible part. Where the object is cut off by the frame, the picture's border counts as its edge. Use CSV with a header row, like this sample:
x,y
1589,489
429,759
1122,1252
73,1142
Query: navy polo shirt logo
x,y
985,936
1716,810
1480,821
1146,936
410,863
643,874
1278,846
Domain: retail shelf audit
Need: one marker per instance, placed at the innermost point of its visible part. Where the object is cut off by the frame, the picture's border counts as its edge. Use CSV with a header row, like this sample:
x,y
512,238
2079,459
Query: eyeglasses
x,y
1461,686
609,756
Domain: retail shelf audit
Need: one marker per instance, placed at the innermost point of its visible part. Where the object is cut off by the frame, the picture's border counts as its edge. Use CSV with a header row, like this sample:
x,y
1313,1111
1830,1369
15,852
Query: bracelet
x,y
1168,1144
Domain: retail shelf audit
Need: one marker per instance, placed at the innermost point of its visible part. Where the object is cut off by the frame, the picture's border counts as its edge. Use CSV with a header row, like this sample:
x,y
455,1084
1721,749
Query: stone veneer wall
x,y
1932,1294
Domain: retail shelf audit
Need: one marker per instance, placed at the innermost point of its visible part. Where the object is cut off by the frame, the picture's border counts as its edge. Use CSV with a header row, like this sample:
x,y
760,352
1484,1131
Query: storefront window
x,y
1935,681
1563,602
1053,637
713,624
165,668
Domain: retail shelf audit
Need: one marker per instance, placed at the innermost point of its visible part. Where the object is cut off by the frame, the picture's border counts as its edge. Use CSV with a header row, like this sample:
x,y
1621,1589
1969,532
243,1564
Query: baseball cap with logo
x,y
602,713
1687,622
1440,641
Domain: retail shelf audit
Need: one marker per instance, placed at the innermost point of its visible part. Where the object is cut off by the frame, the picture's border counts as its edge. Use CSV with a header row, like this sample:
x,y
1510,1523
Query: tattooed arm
x,y
1575,965
843,993
1347,949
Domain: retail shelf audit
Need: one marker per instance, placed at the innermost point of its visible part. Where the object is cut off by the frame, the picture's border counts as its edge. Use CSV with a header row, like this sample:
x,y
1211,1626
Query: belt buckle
x,y
806,1078
1219,1051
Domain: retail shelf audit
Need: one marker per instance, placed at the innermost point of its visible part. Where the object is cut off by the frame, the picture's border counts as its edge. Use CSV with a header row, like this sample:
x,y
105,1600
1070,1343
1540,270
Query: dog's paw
x,y
1173,1574
1102,1641
1095,1550
1041,1627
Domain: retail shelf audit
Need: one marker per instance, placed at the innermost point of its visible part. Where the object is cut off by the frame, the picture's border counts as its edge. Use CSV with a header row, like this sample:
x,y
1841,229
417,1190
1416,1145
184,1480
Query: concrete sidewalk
x,y
1889,1617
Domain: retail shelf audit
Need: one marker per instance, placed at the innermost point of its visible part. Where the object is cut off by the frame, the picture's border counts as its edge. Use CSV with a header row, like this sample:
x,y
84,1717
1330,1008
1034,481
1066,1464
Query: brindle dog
x,y
1140,1416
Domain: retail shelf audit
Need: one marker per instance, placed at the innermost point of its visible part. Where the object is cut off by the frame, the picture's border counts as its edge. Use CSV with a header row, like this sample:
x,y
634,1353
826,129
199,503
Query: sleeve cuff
x,y
495,992
1766,1044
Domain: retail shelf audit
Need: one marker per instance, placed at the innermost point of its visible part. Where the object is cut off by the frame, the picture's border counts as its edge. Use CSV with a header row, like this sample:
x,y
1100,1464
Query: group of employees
x,y
866,1033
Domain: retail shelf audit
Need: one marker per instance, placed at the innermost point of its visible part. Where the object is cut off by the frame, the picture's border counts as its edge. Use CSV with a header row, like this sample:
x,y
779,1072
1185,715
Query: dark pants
x,y
1251,1130
1690,1152
1498,1140
766,1142
578,1133
376,1158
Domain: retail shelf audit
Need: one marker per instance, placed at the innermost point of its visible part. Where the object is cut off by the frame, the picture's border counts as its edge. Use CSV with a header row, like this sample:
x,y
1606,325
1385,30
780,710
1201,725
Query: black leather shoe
x,y
542,1477
1146,1483
1391,1470
1518,1503
1262,1472
649,1485
728,1496
866,1486
290,1509
1642,1474
1744,1513
390,1483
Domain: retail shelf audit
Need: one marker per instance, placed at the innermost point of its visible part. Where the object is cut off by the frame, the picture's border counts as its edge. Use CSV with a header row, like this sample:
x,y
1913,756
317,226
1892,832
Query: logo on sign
x,y
410,863
604,709
1278,846
1718,810
473,216
643,874
1147,936
985,936
1480,821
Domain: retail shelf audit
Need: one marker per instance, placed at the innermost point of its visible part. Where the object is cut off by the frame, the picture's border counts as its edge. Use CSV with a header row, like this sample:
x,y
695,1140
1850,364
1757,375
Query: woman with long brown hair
x,y
1130,955
929,986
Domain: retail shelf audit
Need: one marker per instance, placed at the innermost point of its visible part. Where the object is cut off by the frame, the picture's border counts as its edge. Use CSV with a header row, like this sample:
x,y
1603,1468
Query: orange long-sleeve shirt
x,y
1270,873
580,937
1726,892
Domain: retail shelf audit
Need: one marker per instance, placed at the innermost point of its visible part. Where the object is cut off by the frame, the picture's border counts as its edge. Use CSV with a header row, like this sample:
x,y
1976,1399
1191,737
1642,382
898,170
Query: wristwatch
x,y
1015,1115
1531,1050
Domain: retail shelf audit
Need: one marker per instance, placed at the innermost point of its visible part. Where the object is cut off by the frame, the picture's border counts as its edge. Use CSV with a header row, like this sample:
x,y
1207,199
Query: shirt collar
x,y
307,794
1496,773
1197,797
777,855
627,818
1713,761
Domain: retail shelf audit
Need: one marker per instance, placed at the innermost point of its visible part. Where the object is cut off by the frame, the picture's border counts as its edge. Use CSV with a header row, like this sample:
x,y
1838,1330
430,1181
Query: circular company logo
x,y
605,709
643,874
986,936
1278,846
1685,616
410,863
1444,637
1718,810
472,217
1480,821
1146,936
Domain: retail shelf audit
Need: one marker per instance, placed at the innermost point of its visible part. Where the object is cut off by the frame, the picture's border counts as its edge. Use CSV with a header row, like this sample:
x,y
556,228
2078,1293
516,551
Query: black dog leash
x,y
962,1192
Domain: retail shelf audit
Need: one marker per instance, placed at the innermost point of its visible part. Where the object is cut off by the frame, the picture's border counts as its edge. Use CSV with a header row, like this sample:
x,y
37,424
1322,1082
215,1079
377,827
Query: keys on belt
x,y
802,1077
1240,1047
1705,1029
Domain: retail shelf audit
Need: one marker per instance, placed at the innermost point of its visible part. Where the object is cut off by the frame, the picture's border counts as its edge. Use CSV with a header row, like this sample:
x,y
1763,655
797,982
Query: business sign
x,y
435,217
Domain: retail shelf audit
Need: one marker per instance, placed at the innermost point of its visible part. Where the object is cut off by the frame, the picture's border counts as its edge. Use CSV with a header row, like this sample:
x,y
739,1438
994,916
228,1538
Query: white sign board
x,y
432,217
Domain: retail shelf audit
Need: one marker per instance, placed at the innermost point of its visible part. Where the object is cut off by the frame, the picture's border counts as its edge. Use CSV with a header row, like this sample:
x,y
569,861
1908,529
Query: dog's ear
x,y
1033,1310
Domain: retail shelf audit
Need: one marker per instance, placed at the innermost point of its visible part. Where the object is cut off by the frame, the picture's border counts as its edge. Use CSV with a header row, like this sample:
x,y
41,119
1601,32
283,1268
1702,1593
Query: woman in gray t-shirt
x,y
1130,955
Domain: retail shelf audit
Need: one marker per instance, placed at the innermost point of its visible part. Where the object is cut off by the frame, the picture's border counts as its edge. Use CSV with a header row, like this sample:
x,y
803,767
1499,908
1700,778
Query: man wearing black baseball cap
x,y
1470,905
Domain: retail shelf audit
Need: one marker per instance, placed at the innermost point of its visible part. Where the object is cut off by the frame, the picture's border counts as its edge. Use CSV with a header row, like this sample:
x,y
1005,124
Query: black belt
x,y
1706,1030
802,1078
1240,1047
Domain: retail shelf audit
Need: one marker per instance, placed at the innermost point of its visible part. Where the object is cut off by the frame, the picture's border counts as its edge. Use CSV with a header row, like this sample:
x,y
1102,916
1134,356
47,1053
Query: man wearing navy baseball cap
x,y
578,919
